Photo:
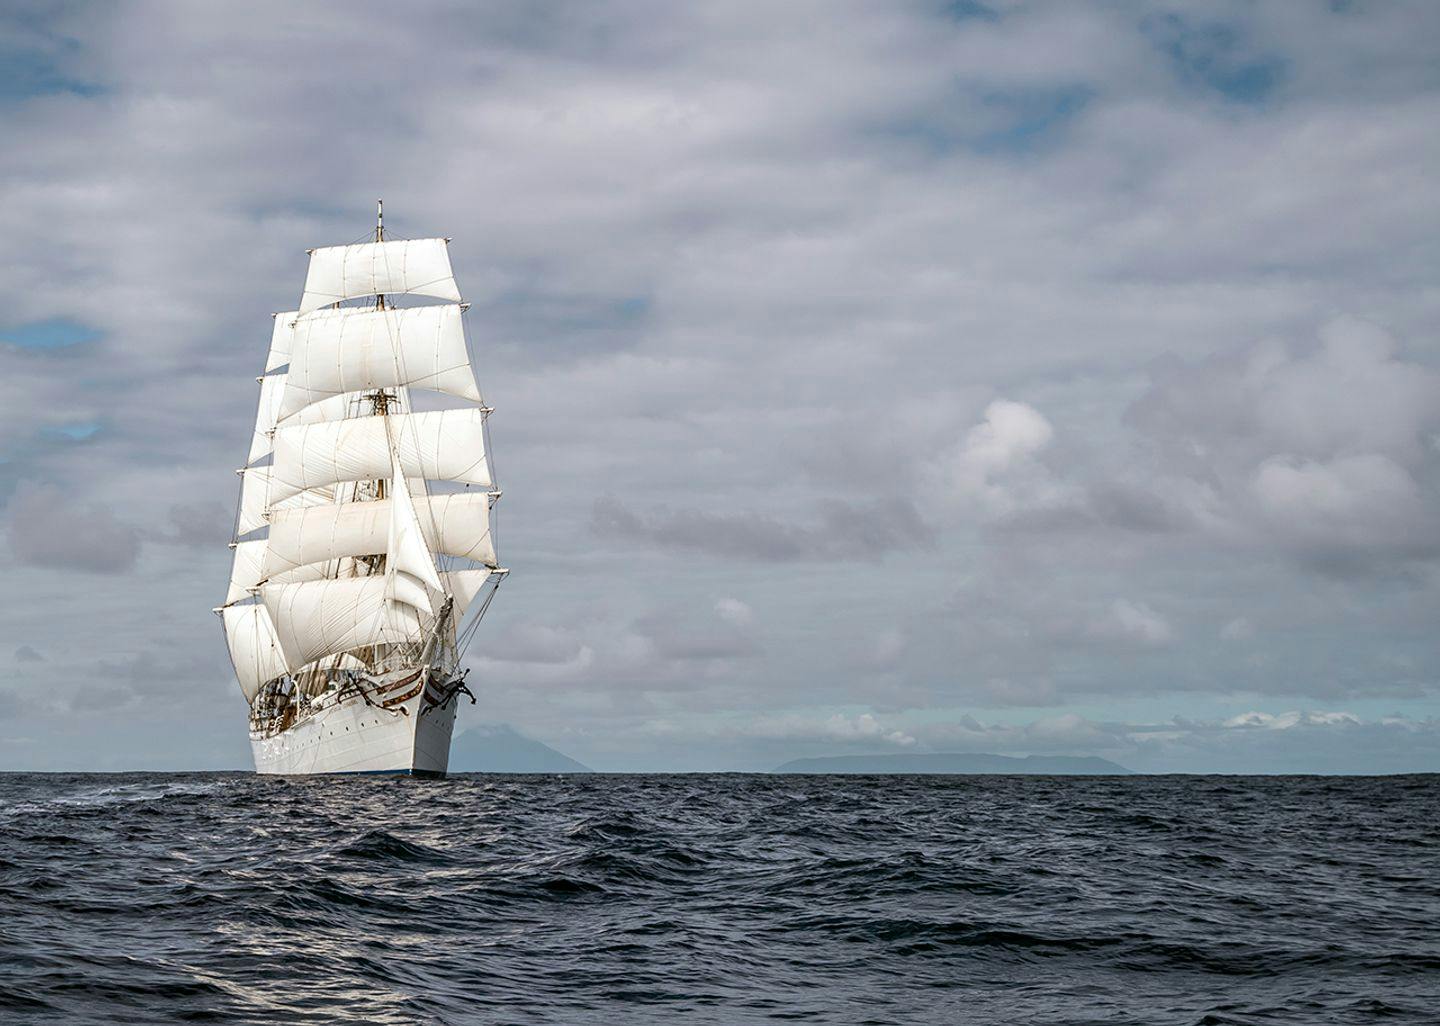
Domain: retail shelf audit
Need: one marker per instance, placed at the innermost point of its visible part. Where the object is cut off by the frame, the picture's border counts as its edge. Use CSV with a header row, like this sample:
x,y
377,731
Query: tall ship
x,y
364,557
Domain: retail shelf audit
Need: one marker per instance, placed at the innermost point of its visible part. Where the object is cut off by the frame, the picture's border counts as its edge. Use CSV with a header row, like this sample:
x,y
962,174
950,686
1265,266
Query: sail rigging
x,y
343,558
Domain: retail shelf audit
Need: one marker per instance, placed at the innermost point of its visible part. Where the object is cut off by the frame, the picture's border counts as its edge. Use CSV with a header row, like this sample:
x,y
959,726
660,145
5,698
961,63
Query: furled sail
x,y
353,349
453,525
314,619
416,266
443,445
254,648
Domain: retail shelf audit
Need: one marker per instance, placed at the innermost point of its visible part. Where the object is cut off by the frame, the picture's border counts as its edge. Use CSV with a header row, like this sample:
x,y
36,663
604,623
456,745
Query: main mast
x,y
380,407
380,399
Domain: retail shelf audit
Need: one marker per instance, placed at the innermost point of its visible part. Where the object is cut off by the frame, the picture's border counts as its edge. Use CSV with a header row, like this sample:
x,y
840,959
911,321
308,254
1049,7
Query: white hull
x,y
353,736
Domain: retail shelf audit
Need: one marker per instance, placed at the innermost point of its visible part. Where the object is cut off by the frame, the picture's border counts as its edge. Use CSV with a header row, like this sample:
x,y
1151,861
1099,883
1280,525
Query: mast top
x,y
379,220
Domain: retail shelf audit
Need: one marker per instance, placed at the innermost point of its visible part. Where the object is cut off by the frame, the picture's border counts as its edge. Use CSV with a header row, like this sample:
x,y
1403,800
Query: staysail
x,y
342,556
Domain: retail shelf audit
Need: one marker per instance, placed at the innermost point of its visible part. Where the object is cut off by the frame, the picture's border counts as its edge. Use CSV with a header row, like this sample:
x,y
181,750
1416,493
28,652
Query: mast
x,y
380,399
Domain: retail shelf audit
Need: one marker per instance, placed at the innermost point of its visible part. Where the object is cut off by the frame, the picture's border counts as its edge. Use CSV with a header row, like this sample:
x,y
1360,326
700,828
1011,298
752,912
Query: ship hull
x,y
353,736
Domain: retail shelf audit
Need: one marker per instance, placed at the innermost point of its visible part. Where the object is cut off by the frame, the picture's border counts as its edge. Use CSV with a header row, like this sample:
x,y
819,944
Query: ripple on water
x,y
722,899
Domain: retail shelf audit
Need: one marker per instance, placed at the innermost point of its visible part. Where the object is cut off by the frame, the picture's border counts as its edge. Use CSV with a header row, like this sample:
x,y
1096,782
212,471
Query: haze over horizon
x,y
1056,378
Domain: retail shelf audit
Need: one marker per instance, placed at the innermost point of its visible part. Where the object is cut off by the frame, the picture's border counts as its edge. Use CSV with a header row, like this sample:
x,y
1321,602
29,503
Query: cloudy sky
x,y
1043,377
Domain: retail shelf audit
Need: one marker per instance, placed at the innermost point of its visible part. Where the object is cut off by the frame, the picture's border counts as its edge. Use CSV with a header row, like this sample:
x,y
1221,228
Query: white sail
x,y
416,266
281,336
314,619
443,445
453,525
255,498
409,566
245,571
254,648
464,585
336,407
248,571
356,349
272,388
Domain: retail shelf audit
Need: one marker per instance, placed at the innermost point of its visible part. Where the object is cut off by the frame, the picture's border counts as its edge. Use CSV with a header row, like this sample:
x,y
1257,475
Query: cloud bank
x,y
1019,362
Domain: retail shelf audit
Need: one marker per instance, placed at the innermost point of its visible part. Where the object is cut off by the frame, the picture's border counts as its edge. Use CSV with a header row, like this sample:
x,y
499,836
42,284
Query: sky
x,y
1052,378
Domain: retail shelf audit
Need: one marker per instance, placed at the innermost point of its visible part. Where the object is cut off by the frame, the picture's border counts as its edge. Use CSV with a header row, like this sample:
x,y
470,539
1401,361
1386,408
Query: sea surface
x,y
227,898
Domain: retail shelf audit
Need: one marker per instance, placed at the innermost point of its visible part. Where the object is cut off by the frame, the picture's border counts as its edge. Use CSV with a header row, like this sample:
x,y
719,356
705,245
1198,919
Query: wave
x,y
725,899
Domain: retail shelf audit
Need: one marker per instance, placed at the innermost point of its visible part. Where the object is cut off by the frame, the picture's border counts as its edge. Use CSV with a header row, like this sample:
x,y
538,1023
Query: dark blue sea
x,y
154,898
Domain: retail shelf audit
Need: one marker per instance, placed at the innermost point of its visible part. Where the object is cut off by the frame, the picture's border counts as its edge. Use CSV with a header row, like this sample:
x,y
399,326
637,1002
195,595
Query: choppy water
x,y
719,899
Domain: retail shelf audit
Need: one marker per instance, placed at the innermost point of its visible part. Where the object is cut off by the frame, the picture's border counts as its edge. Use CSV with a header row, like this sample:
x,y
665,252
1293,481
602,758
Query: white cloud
x,y
1011,433
734,611
1134,622
865,726
1362,500
994,467
886,649
1290,720
1238,629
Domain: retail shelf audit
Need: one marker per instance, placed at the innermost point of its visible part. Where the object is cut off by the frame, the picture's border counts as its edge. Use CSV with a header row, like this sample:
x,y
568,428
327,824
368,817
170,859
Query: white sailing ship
x,y
364,557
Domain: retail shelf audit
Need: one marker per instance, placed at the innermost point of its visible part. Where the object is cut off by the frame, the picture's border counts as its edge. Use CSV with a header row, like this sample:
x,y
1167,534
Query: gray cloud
x,y
686,639
1328,453
843,531
50,528
200,523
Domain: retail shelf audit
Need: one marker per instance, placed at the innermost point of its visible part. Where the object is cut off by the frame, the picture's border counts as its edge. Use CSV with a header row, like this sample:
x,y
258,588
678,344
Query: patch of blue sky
x,y
633,307
998,122
54,333
1215,58
76,431
25,456
1031,117
29,71
969,10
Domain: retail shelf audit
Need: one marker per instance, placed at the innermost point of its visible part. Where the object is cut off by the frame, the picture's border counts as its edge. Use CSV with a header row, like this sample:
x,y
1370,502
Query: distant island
x,y
500,748
954,762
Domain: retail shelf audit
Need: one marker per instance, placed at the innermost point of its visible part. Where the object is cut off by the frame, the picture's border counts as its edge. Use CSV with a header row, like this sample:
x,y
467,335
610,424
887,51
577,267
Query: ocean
x,y
227,898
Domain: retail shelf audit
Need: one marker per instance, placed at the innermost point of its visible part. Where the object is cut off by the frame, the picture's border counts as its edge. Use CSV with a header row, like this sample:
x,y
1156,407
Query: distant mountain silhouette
x,y
499,748
954,762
